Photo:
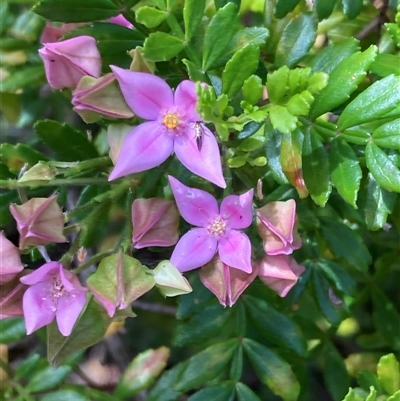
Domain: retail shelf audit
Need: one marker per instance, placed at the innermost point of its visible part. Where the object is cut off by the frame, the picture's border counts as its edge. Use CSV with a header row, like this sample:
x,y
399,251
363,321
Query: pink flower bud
x,y
155,222
280,273
95,98
120,20
10,260
68,61
53,33
276,226
116,134
39,222
169,280
225,282
11,294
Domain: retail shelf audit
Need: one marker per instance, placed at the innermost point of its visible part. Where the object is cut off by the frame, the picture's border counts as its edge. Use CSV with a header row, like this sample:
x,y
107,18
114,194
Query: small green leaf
x,y
12,329
161,46
242,64
343,81
385,64
281,119
377,101
252,92
367,379
150,17
296,40
379,204
275,326
382,168
219,33
244,393
352,8
272,370
346,170
386,318
67,143
356,136
389,373
284,7
388,135
316,168
218,392
394,397
335,273
277,84
236,370
324,8
48,378
76,10
193,12
195,71
66,395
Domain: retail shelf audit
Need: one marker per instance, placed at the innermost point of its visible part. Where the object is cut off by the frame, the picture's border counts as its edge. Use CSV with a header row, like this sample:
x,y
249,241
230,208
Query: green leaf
x,y
88,330
242,64
161,46
66,395
346,170
388,135
346,243
377,101
343,81
356,136
388,373
275,326
281,119
218,392
272,370
284,7
382,168
48,378
342,281
22,79
236,370
324,8
12,329
193,11
244,393
385,64
386,318
331,56
28,366
394,397
277,84
67,143
367,379
335,373
379,204
209,323
252,92
316,168
76,10
218,34
296,40
352,8
150,17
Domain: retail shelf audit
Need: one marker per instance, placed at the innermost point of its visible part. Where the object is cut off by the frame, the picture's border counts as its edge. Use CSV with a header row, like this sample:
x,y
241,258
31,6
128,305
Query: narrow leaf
x,y
284,7
193,12
218,392
388,135
352,8
244,393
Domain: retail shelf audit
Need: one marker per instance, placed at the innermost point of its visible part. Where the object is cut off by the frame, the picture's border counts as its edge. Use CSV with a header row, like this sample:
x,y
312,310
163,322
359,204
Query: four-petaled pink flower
x,y
170,128
54,293
218,228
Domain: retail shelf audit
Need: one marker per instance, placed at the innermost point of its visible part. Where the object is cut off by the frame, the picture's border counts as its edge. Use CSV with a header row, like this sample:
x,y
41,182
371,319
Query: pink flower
x,y
226,283
280,273
68,61
276,226
10,260
217,228
120,20
54,293
170,128
155,222
39,222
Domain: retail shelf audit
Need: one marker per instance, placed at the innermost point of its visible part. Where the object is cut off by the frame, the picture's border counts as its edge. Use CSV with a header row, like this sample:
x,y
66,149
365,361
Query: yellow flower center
x,y
171,120
217,227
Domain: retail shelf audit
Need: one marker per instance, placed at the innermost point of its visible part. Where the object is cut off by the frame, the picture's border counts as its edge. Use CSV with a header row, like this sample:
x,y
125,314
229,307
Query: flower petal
x,y
197,207
146,94
206,162
69,308
145,147
238,209
185,98
41,274
193,250
235,250
37,305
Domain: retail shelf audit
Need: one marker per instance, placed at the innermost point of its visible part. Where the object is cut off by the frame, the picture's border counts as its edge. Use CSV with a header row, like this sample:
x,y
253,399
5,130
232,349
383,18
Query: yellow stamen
x,y
171,120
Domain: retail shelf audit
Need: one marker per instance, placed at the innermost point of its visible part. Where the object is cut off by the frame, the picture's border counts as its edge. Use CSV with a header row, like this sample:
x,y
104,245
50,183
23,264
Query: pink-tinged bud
x,y
95,98
120,20
225,282
276,226
10,260
140,63
116,134
118,281
39,222
169,280
66,62
280,273
11,294
53,33
155,222
53,293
